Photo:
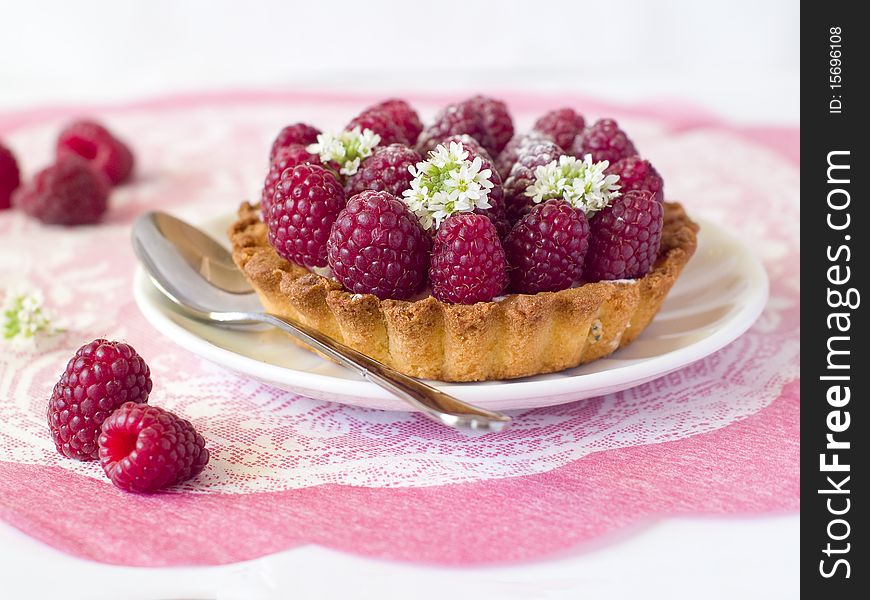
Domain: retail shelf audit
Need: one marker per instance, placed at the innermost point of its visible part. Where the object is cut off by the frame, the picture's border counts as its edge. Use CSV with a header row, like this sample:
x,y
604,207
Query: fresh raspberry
x,y
386,170
377,246
522,175
401,113
562,125
625,238
94,143
381,123
468,261
10,178
454,119
511,152
546,248
638,174
496,212
298,133
100,377
306,203
286,158
496,120
604,141
146,448
67,193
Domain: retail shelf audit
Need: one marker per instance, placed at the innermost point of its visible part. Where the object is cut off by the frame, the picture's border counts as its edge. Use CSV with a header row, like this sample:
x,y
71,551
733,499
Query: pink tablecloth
x,y
719,437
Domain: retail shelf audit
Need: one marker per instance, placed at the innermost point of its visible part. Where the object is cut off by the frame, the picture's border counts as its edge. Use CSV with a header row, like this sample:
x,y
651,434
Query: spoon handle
x,y
432,402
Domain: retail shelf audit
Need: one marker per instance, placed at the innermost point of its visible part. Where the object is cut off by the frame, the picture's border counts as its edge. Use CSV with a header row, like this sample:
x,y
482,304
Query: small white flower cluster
x,y
447,183
24,317
581,183
347,148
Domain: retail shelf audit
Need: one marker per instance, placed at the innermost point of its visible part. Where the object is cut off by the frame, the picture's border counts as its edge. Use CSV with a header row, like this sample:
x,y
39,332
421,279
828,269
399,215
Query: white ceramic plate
x,y
719,295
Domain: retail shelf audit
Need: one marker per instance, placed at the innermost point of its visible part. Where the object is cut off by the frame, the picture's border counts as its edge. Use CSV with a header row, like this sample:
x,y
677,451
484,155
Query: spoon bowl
x,y
190,267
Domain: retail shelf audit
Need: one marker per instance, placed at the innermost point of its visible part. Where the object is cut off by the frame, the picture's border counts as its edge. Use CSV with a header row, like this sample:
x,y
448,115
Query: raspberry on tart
x,y
377,247
604,140
561,125
496,120
625,238
381,123
522,175
496,212
455,119
638,174
386,170
297,133
285,158
401,113
546,248
306,203
468,261
507,157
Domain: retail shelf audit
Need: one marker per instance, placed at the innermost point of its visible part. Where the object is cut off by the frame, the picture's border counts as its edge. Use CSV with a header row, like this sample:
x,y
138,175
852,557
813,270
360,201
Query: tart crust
x,y
517,336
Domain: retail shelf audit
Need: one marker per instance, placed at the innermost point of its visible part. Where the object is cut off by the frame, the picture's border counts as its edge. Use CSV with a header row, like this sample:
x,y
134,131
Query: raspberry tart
x,y
405,243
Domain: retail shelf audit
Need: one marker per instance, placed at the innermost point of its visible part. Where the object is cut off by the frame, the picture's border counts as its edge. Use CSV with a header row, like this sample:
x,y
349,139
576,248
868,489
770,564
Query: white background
x,y
738,58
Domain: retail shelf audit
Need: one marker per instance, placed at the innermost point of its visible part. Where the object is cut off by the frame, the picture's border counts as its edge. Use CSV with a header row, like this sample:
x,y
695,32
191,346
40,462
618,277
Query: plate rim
x,y
479,392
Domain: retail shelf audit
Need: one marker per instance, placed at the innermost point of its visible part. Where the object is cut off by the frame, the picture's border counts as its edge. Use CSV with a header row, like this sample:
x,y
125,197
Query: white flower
x,y
348,148
24,317
350,167
447,183
583,184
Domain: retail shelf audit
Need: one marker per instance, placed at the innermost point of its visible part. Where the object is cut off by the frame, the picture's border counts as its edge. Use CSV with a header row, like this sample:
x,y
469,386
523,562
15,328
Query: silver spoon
x,y
199,276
